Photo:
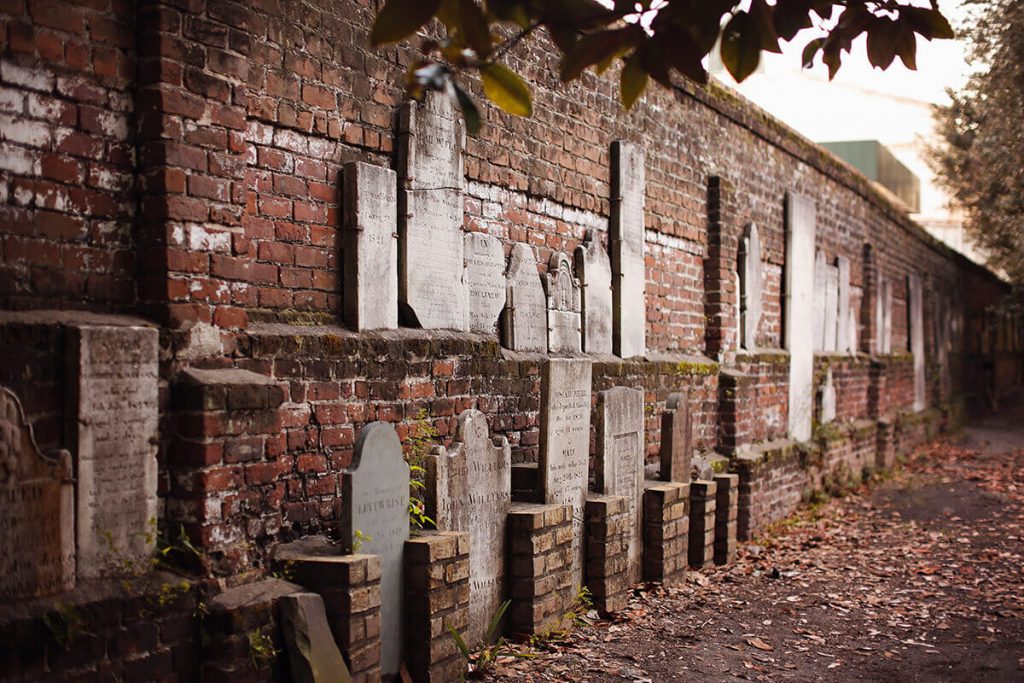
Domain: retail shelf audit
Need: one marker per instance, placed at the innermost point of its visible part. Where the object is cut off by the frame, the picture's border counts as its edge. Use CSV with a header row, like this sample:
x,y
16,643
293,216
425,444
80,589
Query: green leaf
x,y
928,22
594,48
882,43
810,51
633,81
399,19
506,89
906,47
741,46
469,111
459,642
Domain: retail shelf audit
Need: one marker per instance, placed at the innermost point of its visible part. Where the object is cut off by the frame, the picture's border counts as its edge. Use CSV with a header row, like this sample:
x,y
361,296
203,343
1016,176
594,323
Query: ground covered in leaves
x,y
915,578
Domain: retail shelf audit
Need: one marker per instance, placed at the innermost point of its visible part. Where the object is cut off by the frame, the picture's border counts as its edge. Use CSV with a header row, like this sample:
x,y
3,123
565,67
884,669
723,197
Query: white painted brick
x,y
12,101
25,131
201,239
34,79
18,160
290,140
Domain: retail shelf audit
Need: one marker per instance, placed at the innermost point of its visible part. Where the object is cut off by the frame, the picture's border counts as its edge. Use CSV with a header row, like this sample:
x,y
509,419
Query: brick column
x,y
720,274
666,530
539,573
702,522
868,302
727,498
609,528
737,410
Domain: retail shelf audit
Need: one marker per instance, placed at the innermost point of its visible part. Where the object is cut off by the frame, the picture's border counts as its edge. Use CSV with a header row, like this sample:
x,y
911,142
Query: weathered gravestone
x,y
313,655
594,269
915,315
565,442
469,488
883,317
563,302
113,428
820,303
676,439
431,265
751,286
37,508
853,331
375,521
843,317
525,324
370,240
799,328
831,308
485,281
828,399
620,460
629,307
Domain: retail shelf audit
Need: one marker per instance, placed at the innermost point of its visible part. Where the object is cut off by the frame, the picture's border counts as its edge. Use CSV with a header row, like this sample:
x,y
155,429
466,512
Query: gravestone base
x,y
771,485
609,525
540,567
436,596
727,498
885,446
702,523
737,409
666,530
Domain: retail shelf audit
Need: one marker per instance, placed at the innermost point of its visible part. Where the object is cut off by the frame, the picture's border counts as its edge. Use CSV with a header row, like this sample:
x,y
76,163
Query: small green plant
x,y
175,551
422,438
286,572
359,539
65,624
261,648
483,659
574,616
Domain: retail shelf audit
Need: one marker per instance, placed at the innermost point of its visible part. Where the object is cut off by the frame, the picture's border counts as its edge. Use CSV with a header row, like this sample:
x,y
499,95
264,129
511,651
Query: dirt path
x,y
919,578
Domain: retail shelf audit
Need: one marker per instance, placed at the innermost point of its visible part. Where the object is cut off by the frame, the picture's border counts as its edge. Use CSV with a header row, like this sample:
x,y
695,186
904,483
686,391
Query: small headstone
x,y
485,281
565,442
751,285
820,297
37,508
525,323
113,428
563,301
313,656
629,306
469,488
852,334
620,460
676,439
799,320
828,399
843,318
594,269
375,521
887,318
431,264
370,237
831,308
915,307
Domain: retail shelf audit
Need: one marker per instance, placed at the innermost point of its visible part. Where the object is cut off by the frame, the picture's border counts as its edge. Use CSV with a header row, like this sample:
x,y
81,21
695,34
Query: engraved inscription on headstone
x,y
485,281
629,307
113,427
37,542
563,294
469,487
370,247
831,308
375,503
431,265
525,323
565,442
676,439
828,399
620,459
594,269
915,309
843,317
820,297
799,318
751,285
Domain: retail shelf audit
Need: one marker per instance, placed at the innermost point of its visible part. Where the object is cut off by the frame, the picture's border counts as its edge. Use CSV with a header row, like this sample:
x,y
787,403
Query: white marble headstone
x,y
828,399
820,299
887,317
594,269
563,301
485,281
843,319
915,309
799,335
751,284
831,308
525,318
629,305
370,237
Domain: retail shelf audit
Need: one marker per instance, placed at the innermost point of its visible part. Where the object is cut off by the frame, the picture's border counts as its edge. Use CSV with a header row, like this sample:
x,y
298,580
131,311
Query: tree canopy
x,y
659,40
981,154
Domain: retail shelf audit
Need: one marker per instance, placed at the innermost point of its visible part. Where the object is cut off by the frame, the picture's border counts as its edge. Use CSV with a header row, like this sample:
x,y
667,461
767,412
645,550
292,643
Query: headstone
x,y
676,439
525,316
887,318
375,521
852,334
313,656
843,318
370,238
831,308
798,320
820,296
37,508
629,305
485,281
563,301
594,269
752,284
431,265
469,486
113,429
828,399
915,306
620,460
565,442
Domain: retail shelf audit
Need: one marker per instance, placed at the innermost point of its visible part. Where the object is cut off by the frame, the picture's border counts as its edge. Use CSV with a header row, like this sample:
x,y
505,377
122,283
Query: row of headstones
x,y
835,321
405,248
469,486
91,512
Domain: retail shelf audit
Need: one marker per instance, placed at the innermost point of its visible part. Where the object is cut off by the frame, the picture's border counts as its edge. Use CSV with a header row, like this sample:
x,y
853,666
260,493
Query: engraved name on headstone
x,y
469,488
37,508
485,281
831,308
370,238
565,442
915,309
751,285
431,265
375,503
820,299
843,317
594,269
563,301
676,439
798,320
620,460
629,309
525,318
113,427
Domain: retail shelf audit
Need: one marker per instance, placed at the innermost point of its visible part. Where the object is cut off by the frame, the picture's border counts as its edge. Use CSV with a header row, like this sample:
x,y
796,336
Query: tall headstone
x,y
620,460
915,309
375,521
431,265
831,308
852,334
887,318
820,296
370,238
801,218
828,399
629,306
485,281
594,269
37,511
565,442
525,324
470,489
676,439
563,301
843,342
113,429
751,286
